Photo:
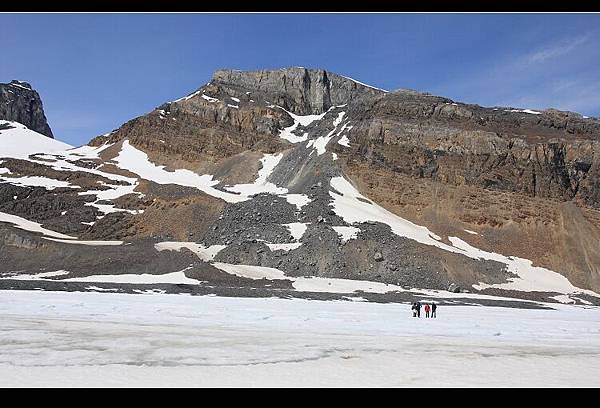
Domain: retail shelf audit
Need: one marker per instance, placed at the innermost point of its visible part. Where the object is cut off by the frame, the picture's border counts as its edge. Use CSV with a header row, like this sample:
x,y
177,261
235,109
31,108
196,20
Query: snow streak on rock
x,y
31,226
321,142
288,132
204,253
260,185
137,162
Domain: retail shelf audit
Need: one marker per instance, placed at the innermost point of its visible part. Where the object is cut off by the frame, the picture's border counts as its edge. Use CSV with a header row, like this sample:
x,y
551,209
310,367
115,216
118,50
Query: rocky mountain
x,y
301,182
19,102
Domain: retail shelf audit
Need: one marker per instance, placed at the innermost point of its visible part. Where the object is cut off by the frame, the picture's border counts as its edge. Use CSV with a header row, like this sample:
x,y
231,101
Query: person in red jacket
x,y
427,309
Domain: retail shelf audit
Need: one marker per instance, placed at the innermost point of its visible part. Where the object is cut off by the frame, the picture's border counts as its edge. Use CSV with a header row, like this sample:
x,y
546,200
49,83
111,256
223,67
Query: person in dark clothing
x,y
414,309
418,309
433,308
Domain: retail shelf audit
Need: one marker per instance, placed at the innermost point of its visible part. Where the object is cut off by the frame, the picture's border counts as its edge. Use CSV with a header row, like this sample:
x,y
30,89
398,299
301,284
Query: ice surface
x,y
106,339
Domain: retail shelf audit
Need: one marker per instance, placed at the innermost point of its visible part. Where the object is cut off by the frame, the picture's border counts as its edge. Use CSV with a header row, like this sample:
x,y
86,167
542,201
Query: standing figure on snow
x,y
427,309
414,309
433,308
418,309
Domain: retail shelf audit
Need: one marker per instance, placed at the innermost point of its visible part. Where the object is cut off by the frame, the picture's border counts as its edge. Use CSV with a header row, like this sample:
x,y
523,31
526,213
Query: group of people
x,y
430,309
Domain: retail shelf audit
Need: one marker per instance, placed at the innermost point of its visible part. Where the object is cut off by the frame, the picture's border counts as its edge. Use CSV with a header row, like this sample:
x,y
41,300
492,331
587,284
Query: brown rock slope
x,y
528,183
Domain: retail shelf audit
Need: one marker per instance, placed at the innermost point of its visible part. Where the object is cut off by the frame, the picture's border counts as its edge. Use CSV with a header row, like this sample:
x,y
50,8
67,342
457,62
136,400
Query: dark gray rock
x,y
19,102
454,288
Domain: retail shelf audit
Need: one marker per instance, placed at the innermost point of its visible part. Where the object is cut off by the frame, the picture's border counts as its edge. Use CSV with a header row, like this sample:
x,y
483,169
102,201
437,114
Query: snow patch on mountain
x,y
90,243
209,98
321,142
114,192
136,161
89,152
299,120
297,229
176,278
307,284
532,112
31,226
349,204
363,84
284,247
260,185
185,98
37,181
347,233
250,271
344,141
34,276
530,278
19,142
205,253
299,200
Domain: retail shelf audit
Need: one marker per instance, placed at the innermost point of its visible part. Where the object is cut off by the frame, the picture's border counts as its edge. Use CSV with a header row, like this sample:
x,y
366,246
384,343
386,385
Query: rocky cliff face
x,y
547,154
314,174
19,102
299,90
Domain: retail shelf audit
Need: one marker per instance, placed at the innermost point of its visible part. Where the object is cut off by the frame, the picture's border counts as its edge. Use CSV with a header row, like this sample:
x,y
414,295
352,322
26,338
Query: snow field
x,y
106,339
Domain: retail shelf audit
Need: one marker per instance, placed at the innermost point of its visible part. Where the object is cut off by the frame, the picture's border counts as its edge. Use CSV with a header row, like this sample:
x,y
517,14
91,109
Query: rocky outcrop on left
x,y
19,102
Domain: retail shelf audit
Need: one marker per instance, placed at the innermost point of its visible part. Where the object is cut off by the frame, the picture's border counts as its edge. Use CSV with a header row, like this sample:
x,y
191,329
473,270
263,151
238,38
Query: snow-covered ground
x,y
19,142
104,339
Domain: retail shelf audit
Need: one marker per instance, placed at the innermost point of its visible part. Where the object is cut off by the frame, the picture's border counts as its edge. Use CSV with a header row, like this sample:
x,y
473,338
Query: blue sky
x,y
96,71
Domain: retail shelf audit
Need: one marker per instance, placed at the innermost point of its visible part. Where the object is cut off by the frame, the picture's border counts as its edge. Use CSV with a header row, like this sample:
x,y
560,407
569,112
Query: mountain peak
x,y
19,102
303,91
21,84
